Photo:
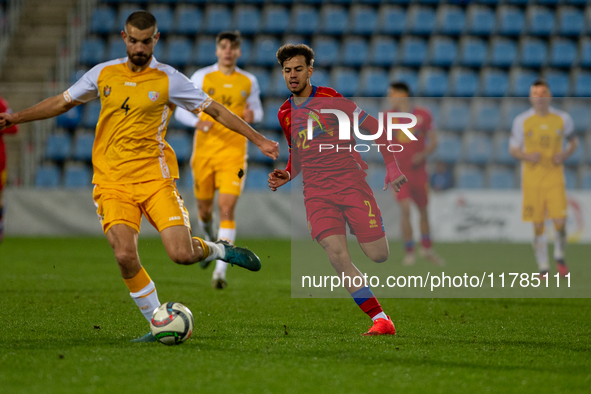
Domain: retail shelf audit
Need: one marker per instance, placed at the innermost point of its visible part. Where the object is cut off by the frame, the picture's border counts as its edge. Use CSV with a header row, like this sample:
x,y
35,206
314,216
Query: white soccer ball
x,y
172,323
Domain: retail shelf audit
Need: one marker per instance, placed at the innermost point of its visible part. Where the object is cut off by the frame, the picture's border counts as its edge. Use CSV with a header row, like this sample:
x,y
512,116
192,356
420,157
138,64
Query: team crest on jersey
x,y
243,93
107,91
211,91
153,96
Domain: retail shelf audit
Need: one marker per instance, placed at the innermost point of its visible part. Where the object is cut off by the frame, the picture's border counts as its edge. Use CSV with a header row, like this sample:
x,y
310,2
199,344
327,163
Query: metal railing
x,y
9,26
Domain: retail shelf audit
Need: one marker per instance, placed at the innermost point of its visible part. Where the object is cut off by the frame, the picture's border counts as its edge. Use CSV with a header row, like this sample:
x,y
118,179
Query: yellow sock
x,y
204,246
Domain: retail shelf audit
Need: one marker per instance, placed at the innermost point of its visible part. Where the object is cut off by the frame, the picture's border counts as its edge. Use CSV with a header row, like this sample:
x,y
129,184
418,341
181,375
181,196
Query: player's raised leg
x,y
227,232
336,248
541,249
560,245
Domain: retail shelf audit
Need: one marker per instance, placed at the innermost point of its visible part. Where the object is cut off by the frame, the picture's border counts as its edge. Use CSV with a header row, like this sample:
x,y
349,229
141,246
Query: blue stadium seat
x,y
247,19
481,21
375,177
501,178
161,51
304,20
408,76
450,20
449,149
204,53
455,115
326,51
320,77
478,149
521,81
333,20
92,51
420,21
563,53
91,114
374,83
432,82
187,19
124,11
71,119
581,114
264,79
217,19
443,51
102,20
117,48
246,52
256,179
283,148
585,53
511,21
501,151
77,176
83,143
586,180
345,81
472,52
464,83
382,51
278,88
274,19
582,84
185,178
363,20
270,109
179,52
558,82
502,52
264,51
540,21
182,145
354,52
256,156
512,108
47,175
58,146
533,53
391,20
577,157
494,83
470,178
164,17
570,178
486,116
571,21
414,51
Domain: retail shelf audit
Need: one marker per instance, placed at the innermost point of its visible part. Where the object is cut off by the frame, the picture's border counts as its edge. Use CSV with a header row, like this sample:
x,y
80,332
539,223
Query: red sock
x,y
367,301
426,241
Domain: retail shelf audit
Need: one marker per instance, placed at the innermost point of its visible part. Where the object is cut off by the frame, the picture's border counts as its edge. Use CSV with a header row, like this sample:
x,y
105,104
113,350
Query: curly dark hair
x,y
289,51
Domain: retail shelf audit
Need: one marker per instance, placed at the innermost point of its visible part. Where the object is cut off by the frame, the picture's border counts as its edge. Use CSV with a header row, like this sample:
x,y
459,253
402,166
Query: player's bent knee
x,y
183,258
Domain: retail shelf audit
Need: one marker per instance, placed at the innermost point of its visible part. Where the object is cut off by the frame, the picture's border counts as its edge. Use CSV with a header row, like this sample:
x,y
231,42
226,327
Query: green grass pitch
x,y
67,319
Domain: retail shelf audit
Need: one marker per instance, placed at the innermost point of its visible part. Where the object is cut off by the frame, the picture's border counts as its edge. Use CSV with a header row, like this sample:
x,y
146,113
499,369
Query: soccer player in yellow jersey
x,y
134,168
536,139
219,155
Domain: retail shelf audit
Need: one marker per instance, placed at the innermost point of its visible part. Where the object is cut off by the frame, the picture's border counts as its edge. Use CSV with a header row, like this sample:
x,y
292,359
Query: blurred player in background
x,y
219,154
412,160
335,190
10,130
134,168
537,137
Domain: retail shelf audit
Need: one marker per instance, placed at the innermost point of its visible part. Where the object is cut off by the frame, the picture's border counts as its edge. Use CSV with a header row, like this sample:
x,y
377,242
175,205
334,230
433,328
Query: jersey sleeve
x,y
185,117
569,126
516,138
184,93
86,88
254,99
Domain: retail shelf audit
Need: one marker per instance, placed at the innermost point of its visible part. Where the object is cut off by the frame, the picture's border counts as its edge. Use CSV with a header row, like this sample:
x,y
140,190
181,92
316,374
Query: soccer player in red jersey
x,y
335,190
10,130
412,163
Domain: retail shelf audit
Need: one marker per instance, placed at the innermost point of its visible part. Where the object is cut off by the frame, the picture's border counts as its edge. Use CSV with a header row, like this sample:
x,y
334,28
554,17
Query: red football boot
x,y
561,267
381,327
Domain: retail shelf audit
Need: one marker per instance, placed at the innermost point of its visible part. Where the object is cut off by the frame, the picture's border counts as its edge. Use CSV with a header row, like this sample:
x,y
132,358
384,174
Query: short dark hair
x,y
398,85
540,82
233,36
142,20
289,51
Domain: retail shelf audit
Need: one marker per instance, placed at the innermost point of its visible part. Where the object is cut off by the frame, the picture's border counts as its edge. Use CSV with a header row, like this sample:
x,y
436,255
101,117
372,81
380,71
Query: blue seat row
x,y
75,175
360,19
468,177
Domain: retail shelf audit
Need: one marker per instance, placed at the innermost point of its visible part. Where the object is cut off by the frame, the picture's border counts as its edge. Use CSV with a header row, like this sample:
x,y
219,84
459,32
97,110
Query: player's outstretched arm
x,y
47,108
235,123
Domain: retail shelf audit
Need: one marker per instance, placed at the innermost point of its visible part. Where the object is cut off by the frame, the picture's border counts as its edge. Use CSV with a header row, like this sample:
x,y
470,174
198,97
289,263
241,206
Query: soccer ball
x,y
172,323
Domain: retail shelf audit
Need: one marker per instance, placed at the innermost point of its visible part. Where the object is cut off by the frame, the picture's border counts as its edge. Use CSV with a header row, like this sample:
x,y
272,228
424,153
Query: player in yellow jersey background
x,y
537,139
134,167
219,155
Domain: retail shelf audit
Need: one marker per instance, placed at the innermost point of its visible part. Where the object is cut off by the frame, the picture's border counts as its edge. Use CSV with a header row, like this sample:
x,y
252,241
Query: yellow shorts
x,y
158,200
223,173
542,203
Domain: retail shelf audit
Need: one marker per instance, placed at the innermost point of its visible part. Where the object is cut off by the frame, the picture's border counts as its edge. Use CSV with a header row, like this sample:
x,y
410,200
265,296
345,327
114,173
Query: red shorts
x,y
417,188
355,206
